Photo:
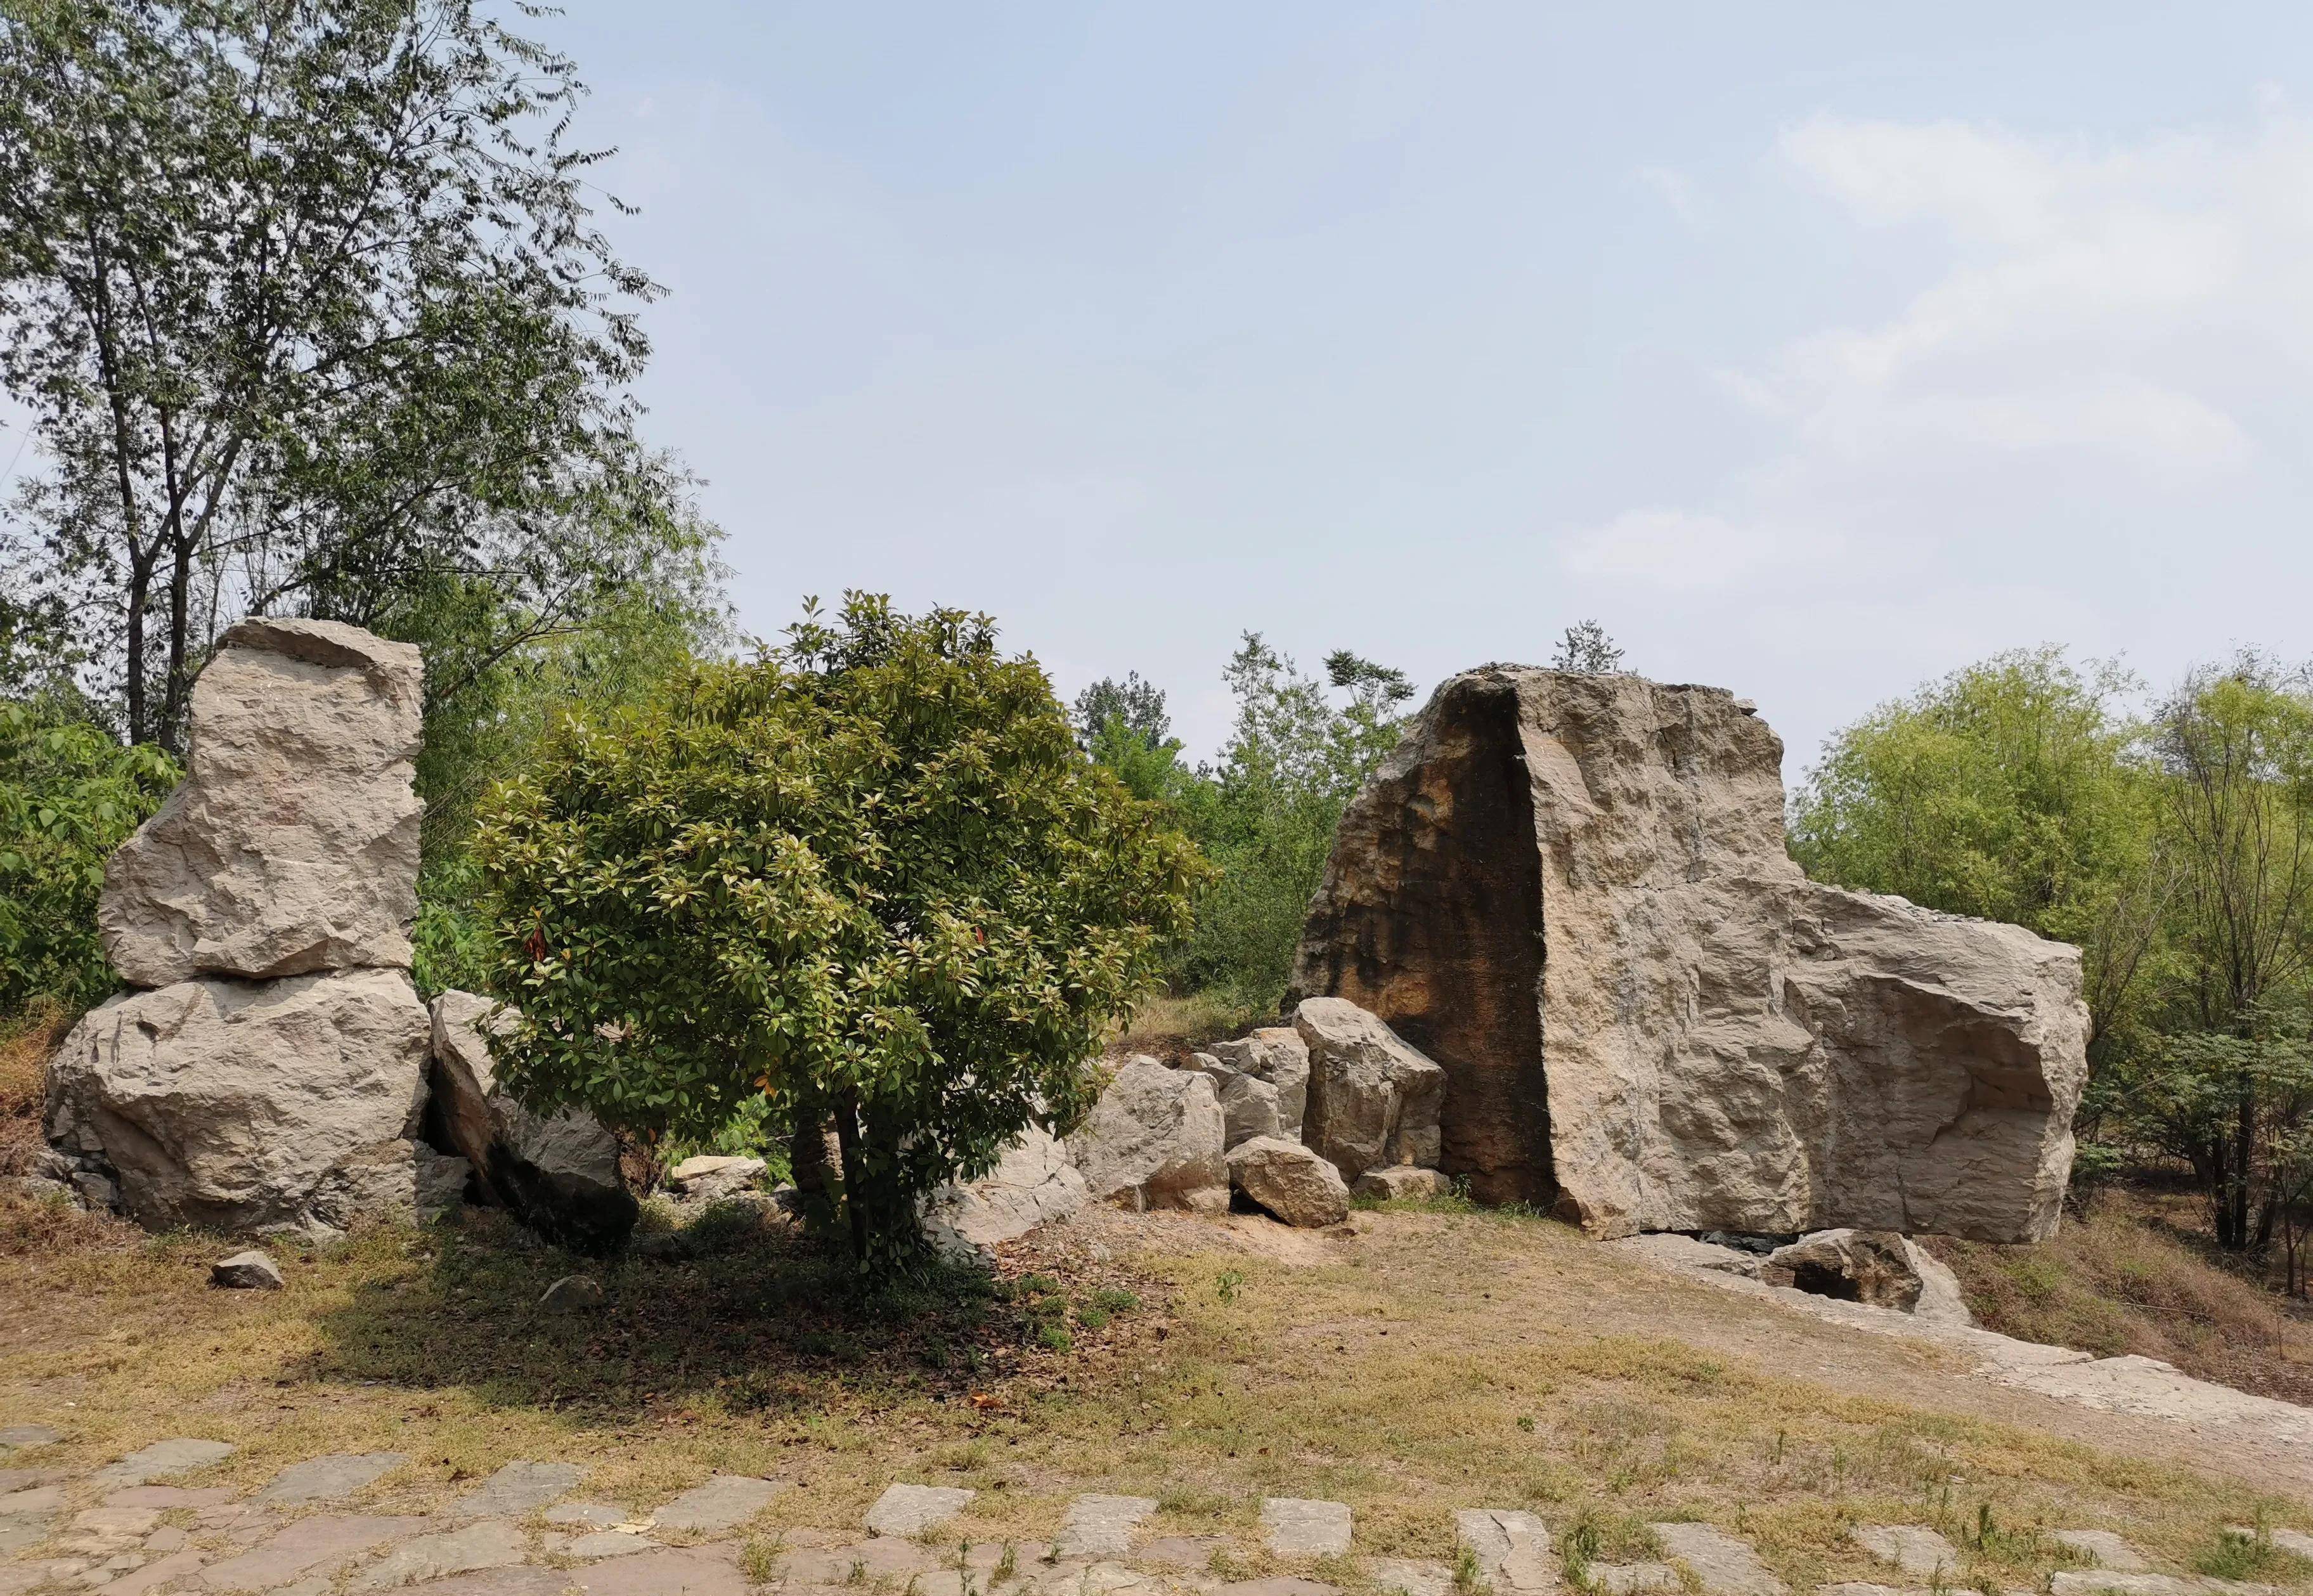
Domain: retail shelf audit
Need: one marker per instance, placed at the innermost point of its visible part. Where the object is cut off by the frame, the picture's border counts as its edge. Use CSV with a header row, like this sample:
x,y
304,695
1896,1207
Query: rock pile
x,y
1573,892
273,1073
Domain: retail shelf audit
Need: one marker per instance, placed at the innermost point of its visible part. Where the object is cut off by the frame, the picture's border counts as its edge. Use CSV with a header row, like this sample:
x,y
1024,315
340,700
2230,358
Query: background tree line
x,y
2172,842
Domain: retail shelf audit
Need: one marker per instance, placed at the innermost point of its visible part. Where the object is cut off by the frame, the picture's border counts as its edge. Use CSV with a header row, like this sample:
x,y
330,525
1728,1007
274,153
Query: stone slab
x,y
691,1571
317,1545
1304,1527
490,1543
1511,1548
329,1478
2106,1549
1916,1550
1099,1526
1412,1577
724,1503
1726,1566
910,1510
606,1543
168,1496
521,1486
178,1455
25,1437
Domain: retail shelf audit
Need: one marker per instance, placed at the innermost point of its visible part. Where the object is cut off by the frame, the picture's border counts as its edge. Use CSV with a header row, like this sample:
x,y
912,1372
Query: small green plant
x,y
1225,1283
1008,1564
1111,1298
1469,1579
2252,1556
1525,1423
1055,1336
1038,1285
760,1558
858,1574
1092,1315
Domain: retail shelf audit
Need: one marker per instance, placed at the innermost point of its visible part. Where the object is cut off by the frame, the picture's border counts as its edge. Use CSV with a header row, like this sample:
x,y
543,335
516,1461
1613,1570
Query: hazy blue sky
x,y
1815,349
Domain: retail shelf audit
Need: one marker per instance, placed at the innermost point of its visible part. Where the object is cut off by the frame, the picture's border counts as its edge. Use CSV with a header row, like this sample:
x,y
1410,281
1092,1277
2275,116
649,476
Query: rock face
x,y
247,1106
1572,892
559,1173
1034,1182
1278,1055
1154,1140
292,844
1873,1267
1248,1110
1373,1100
1289,1181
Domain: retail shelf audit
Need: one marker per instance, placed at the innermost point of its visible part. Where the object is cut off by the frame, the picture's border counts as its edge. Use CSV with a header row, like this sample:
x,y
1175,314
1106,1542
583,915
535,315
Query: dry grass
x,y
1439,1360
2135,1277
26,1041
1169,1025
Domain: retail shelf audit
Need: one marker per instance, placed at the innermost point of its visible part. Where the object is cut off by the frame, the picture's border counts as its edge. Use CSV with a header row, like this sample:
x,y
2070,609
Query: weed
x,y
1055,1337
1115,1300
760,1558
1469,1579
1092,1317
1007,1565
1226,1282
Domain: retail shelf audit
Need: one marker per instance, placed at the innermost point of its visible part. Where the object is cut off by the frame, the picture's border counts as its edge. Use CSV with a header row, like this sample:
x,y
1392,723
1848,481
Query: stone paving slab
x,y
1181,1551
331,1477
1283,1585
178,1455
489,1543
1098,1526
1916,1550
690,1570
724,1503
592,1515
1633,1579
1412,1577
2074,1583
500,1581
324,1543
521,1486
25,1437
910,1510
606,1543
1304,1527
2102,1548
886,1557
1510,1548
152,1576
168,1496
1726,1566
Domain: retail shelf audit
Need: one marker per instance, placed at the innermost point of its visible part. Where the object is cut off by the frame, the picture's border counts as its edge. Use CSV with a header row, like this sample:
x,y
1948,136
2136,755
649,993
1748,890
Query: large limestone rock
x,y
1373,1100
557,1172
283,1105
1290,1182
1276,1054
292,844
1154,1140
1873,1267
1034,1181
1572,892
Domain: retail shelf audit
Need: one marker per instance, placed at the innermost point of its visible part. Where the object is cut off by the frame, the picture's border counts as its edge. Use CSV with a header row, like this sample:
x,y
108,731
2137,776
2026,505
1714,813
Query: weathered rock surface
x,y
1404,1180
1289,1181
1154,1140
572,1293
247,1106
1034,1181
251,1271
557,1172
1249,1109
1373,1100
292,844
1712,1041
1276,1055
1868,1266
710,1178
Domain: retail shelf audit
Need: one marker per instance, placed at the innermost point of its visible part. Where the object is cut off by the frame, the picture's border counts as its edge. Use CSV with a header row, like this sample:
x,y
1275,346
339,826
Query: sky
x,y
1816,350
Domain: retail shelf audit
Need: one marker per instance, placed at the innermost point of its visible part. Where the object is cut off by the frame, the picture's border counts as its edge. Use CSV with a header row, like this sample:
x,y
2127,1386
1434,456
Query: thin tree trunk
x,y
855,1181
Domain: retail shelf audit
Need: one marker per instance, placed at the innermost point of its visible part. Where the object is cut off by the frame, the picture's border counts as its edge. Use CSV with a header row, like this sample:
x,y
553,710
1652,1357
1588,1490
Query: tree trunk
x,y
855,1172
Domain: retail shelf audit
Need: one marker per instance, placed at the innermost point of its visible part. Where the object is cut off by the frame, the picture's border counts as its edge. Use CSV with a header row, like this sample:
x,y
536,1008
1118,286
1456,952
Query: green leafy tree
x,y
870,875
1585,648
69,794
310,314
2011,790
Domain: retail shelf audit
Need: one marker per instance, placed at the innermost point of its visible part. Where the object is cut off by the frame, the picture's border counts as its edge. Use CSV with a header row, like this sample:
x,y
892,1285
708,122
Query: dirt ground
x,y
1412,1362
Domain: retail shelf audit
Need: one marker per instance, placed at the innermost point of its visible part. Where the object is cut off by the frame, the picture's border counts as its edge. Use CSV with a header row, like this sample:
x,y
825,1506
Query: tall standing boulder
x,y
557,1172
1573,892
291,846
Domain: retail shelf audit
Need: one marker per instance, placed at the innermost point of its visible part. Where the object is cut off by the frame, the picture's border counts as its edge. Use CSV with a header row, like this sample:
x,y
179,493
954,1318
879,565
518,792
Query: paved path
x,y
147,1525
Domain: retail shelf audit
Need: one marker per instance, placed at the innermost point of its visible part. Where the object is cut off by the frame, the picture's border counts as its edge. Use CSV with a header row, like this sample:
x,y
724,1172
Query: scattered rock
x,y
235,1106
251,1271
1373,1100
1289,1181
162,1458
1102,1526
1153,1140
1573,892
1300,1527
910,1510
709,1178
1404,1180
1278,1055
573,1293
1873,1267
1915,1548
329,1478
558,1173
1034,1181
519,1487
1724,1565
724,1503
1511,1548
291,847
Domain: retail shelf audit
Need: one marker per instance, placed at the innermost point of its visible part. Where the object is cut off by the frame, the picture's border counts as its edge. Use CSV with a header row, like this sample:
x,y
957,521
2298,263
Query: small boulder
x,y
1873,1267
1249,1109
558,1173
1154,1140
573,1293
250,1271
1289,1181
1373,1100
1275,1053
1034,1182
1404,1180
710,1178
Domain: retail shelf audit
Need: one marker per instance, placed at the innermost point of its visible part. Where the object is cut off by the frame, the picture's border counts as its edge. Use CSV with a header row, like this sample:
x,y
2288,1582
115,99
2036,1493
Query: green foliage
x,y
309,312
870,877
69,794
1586,648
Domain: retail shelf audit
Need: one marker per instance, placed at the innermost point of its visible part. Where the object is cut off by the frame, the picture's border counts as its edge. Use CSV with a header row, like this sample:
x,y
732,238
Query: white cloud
x,y
1678,549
